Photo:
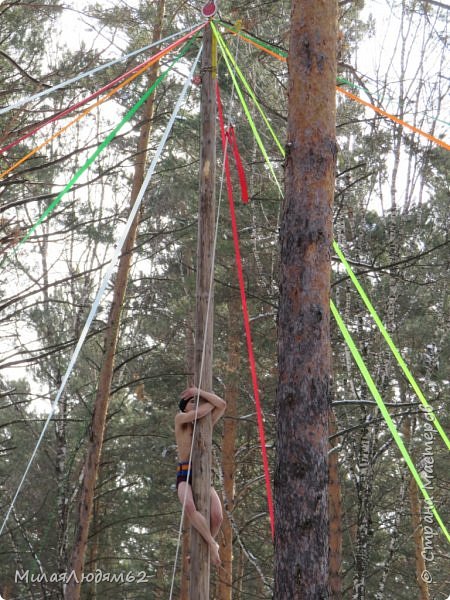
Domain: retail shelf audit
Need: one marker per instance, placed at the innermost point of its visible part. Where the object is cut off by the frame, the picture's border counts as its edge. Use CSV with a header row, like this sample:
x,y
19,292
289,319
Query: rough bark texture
x,y
201,457
94,547
93,453
301,474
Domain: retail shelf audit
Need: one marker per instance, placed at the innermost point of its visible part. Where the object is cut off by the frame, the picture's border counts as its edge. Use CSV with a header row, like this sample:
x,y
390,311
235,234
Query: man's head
x,y
183,403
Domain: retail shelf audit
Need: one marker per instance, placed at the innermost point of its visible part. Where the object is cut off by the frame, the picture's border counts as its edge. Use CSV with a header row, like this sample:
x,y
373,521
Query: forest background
x,y
391,218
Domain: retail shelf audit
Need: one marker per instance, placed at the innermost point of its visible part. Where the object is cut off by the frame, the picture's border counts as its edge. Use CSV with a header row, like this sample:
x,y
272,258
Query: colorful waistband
x,y
184,466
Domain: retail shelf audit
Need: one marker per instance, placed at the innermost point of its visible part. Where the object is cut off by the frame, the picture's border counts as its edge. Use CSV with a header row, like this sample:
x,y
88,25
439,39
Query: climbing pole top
x,y
209,9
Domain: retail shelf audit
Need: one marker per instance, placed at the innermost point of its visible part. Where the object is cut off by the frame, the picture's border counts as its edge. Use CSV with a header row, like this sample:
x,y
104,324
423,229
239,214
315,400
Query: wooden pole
x,y
201,457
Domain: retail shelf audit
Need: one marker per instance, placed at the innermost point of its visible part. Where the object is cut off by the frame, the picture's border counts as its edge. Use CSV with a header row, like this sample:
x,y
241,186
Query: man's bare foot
x,y
215,558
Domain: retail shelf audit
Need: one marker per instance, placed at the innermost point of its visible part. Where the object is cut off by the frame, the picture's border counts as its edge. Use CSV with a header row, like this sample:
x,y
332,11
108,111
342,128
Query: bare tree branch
x,y
22,71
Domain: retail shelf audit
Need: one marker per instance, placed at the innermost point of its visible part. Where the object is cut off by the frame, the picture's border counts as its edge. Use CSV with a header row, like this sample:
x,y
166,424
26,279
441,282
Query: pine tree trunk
x,y
301,475
92,461
229,448
419,548
6,592
93,551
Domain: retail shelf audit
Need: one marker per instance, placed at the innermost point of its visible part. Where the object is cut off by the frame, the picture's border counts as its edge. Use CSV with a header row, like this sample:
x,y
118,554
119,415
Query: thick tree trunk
x,y
92,461
301,476
185,567
6,592
94,550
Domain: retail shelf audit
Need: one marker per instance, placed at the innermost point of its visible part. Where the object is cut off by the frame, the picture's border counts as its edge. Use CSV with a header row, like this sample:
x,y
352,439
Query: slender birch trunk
x,y
419,547
394,541
364,487
54,377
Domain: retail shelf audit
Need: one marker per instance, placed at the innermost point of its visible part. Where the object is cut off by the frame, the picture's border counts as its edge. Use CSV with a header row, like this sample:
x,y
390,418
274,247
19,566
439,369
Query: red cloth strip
x,y
240,167
248,335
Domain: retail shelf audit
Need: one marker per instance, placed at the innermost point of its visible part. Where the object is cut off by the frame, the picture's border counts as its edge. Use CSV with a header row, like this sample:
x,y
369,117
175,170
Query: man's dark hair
x,y
183,403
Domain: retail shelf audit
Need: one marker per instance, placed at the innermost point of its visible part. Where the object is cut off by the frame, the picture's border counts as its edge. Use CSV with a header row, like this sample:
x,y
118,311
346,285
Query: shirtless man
x,y
184,425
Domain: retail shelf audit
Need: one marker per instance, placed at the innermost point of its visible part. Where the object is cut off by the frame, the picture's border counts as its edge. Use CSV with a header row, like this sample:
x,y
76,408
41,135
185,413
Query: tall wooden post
x,y
201,457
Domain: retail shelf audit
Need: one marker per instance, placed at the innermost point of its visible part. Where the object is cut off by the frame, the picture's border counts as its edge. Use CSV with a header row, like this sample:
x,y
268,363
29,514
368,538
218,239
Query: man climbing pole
x,y
209,403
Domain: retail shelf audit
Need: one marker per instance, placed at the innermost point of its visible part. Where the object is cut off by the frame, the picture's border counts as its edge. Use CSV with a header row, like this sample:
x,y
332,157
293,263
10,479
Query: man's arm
x,y
189,417
219,405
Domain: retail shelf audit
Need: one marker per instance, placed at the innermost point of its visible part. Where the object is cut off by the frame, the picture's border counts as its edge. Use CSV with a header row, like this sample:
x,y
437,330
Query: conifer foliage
x,y
390,217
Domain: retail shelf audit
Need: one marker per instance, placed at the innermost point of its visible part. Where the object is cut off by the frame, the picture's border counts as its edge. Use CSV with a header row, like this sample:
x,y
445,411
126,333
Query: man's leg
x,y
198,520
216,515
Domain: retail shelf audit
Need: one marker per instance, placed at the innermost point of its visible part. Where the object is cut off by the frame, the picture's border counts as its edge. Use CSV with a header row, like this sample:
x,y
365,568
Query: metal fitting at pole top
x,y
209,9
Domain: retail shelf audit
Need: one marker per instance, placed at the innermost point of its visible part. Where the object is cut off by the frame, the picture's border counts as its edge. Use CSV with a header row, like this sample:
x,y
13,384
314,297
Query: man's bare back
x,y
184,421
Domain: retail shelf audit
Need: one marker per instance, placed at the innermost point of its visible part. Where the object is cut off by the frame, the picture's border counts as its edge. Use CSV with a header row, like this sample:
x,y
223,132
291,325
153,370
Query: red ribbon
x,y
240,167
229,139
251,357
70,109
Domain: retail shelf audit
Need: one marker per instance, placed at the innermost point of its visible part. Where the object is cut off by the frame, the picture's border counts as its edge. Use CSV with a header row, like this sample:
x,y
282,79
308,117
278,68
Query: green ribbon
x,y
391,345
358,359
266,45
101,147
339,81
249,90
387,417
226,54
358,286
